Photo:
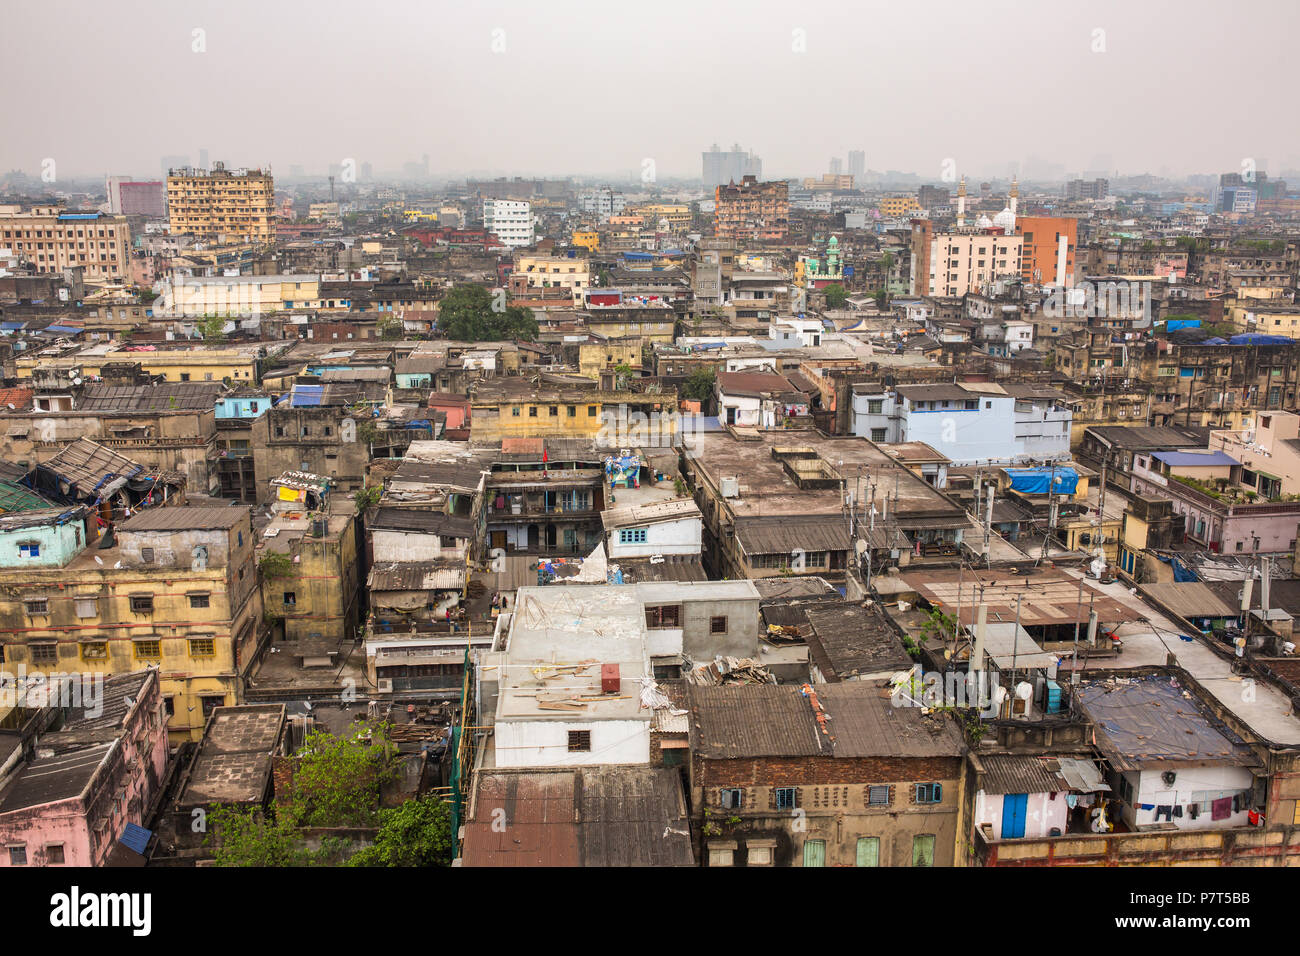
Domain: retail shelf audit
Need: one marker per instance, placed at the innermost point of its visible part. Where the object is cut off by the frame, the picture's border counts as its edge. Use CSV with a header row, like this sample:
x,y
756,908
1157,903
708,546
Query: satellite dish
x,y
76,380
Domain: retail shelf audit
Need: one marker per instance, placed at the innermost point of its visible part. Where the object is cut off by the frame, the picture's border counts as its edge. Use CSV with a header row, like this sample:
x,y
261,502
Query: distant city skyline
x,y
1094,81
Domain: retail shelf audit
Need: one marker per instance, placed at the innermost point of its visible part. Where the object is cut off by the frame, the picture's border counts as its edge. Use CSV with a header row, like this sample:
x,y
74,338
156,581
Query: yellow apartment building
x,y
177,591
221,204
53,239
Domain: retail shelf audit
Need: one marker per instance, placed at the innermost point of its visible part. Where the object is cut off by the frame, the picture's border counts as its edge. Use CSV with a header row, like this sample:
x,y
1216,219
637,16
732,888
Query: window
x,y
579,741
875,406
43,653
664,615
211,702
786,798
54,854
814,853
879,434
532,411
29,550
37,606
18,855
722,855
290,599
142,604
759,853
632,536
573,411
929,793
169,706
717,625
203,647
87,606
591,411
94,651
514,411
868,851
923,849
200,600
878,796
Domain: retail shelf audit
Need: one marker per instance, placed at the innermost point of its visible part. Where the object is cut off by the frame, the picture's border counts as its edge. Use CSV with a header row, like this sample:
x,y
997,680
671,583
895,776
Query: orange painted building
x,y
1041,261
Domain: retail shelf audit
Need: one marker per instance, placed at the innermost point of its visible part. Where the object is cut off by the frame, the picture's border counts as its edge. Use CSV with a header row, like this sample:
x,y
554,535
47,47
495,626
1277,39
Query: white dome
x,y
983,222
1006,220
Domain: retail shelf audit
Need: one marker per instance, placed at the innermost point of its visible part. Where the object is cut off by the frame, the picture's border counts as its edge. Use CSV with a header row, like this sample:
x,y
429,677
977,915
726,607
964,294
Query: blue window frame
x,y
632,536
29,550
929,792
786,798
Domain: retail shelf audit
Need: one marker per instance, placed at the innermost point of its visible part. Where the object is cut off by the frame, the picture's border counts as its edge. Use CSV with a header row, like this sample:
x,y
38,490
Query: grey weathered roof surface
x,y
779,720
233,764
780,535
1147,723
164,397
417,521
674,510
1140,437
590,816
85,463
1189,599
848,640
79,747
185,518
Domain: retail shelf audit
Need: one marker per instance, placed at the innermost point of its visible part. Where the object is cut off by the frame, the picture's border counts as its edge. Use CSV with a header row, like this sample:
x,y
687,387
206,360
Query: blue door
x,y
1013,815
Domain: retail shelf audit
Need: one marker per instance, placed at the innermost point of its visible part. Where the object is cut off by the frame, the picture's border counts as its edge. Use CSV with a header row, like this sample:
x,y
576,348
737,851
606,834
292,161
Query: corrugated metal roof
x,y
1190,599
592,816
1016,773
778,720
780,535
416,576
186,518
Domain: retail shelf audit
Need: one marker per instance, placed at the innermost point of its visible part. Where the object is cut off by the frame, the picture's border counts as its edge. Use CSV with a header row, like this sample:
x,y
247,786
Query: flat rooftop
x,y
767,490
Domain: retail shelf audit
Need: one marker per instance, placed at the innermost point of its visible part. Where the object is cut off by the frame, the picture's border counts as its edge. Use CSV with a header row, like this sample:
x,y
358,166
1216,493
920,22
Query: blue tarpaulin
x,y
1255,338
1174,324
1182,573
1037,481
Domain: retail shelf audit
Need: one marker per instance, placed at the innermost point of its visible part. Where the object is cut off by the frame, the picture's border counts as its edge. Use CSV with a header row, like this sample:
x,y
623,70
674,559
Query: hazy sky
x,y
597,87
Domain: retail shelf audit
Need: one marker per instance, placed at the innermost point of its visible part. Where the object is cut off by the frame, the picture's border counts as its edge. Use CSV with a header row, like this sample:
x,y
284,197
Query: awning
x,y
1082,775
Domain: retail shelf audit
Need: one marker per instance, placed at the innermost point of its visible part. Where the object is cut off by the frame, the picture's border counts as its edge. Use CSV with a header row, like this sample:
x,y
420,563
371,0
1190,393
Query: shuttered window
x,y
868,851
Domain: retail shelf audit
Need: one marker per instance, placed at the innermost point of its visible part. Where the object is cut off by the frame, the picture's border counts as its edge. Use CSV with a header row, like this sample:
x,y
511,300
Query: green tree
x,y
835,296
882,299
699,385
622,374
367,496
389,327
212,328
337,780
470,313
245,837
418,833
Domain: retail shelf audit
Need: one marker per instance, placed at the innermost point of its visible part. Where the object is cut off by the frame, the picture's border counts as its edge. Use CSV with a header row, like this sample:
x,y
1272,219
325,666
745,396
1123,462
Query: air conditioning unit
x,y
384,685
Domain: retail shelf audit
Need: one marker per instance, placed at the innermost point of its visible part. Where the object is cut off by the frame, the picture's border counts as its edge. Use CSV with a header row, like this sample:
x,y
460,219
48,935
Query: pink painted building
x,y
67,794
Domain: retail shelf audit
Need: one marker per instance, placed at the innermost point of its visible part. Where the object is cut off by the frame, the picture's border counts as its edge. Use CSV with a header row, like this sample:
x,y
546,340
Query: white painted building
x,y
969,423
568,682
645,531
510,220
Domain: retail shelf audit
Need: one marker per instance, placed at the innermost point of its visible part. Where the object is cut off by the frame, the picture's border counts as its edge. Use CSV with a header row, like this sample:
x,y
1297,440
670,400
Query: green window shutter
x,y
923,850
814,853
868,851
